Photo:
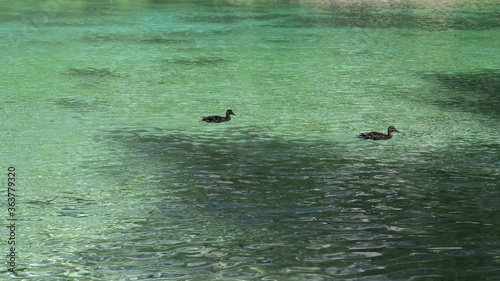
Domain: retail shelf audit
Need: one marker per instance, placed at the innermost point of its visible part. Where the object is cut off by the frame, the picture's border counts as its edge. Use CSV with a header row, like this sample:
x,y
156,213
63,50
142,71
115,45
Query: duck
x,y
377,135
219,119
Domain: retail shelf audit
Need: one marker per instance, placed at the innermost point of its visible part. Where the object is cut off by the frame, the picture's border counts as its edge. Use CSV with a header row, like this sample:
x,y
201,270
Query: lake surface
x,y
117,179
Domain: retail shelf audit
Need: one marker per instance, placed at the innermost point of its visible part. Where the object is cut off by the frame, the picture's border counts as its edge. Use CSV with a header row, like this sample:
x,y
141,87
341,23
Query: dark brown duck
x,y
377,135
219,119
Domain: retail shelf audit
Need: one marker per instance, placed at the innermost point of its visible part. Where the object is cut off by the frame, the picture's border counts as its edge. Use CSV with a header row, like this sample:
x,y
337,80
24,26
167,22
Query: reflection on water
x,y
122,182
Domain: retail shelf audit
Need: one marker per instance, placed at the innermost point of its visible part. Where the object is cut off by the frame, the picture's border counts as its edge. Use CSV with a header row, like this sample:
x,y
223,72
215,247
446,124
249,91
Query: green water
x,y
118,180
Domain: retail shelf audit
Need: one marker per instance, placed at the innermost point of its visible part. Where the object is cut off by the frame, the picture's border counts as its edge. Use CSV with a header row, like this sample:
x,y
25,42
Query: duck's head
x,y
392,129
229,112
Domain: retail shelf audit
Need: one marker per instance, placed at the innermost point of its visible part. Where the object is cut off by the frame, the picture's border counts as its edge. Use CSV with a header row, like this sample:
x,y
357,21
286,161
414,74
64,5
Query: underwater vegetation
x,y
91,72
200,61
80,105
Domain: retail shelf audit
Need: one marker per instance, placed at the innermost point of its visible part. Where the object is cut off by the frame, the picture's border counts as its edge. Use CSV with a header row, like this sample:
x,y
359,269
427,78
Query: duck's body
x,y
218,119
377,135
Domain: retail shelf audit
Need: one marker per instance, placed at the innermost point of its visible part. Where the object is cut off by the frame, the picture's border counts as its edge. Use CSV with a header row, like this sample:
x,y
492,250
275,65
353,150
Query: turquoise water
x,y
118,179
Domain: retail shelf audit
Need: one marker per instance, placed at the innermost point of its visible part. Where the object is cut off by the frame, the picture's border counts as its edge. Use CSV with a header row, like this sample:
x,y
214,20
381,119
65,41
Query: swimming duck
x,y
377,135
219,119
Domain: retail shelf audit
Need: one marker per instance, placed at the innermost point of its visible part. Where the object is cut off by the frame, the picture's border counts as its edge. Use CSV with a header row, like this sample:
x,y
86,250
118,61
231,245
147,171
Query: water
x,y
118,179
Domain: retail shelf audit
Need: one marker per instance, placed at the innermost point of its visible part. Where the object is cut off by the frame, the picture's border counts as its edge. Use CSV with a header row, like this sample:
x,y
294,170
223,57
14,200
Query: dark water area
x,y
303,209
477,92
